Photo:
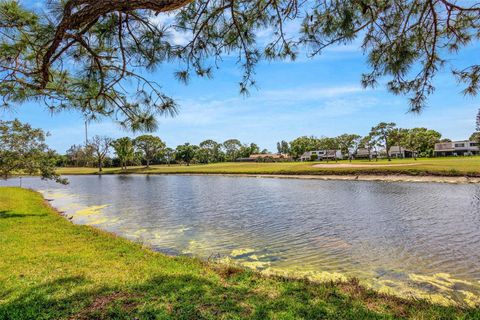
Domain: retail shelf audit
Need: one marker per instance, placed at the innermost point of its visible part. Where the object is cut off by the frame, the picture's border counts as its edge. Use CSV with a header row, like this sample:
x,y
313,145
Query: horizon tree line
x,y
23,149
150,149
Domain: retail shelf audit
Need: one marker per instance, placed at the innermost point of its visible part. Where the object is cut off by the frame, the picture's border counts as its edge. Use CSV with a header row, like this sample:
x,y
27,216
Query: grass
x,y
451,166
53,269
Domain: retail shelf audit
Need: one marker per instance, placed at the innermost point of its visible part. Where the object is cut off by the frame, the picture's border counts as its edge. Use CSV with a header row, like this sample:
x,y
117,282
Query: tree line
x,y
145,150
421,141
102,151
23,149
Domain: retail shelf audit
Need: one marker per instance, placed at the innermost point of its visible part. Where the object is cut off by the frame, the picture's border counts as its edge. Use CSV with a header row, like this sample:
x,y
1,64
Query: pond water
x,y
411,239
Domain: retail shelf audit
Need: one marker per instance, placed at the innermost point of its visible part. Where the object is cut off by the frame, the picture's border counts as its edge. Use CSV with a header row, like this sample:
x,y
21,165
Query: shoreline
x,y
325,177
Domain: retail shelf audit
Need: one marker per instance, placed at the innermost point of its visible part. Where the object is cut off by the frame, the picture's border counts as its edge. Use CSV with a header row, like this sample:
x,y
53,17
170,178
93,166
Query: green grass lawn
x,y
53,269
452,166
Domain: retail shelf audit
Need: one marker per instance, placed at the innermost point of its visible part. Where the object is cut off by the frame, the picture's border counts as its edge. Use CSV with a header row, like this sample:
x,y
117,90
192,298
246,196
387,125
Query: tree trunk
x,y
387,147
148,164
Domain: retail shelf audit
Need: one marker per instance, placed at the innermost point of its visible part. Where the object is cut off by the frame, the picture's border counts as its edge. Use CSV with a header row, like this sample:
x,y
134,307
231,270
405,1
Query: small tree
x,y
370,143
186,153
302,144
283,147
124,149
348,143
100,146
150,146
478,120
210,151
23,151
329,144
168,155
383,131
477,134
232,149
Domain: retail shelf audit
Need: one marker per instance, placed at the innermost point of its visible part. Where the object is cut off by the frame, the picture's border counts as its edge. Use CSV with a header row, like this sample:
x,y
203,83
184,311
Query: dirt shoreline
x,y
346,177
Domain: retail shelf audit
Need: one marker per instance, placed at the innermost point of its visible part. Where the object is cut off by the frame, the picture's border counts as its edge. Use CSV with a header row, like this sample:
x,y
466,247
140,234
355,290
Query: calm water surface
x,y
420,239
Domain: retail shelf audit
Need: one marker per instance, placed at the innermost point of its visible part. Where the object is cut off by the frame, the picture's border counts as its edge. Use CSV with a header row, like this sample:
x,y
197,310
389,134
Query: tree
x,y
421,141
370,143
23,151
185,153
412,141
150,146
476,136
209,151
124,150
348,144
74,155
168,155
100,146
246,150
478,120
329,144
283,147
108,40
232,148
383,131
303,144
397,138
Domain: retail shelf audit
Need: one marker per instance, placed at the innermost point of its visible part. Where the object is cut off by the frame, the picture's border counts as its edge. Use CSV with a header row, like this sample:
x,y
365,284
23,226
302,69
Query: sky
x,y
320,96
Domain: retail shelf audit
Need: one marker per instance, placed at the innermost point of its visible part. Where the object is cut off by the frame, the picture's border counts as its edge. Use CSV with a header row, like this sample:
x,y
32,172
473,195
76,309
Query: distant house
x,y
321,155
456,148
399,152
364,153
265,157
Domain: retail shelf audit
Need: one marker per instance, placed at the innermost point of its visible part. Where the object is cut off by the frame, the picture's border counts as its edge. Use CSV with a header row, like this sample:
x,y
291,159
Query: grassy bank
x,y
52,269
452,166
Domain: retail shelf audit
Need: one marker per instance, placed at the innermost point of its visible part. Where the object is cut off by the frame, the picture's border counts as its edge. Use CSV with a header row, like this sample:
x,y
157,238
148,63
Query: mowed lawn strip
x,y
53,269
451,166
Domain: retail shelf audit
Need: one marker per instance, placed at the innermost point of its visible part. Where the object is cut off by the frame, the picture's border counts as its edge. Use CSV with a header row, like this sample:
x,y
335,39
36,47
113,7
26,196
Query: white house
x,y
456,148
321,155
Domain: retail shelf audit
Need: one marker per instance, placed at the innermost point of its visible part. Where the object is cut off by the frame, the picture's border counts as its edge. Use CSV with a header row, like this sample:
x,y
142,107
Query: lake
x,y
410,239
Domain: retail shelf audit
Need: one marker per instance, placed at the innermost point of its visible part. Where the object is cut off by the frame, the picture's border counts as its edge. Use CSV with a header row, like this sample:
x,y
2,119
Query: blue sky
x,y
320,97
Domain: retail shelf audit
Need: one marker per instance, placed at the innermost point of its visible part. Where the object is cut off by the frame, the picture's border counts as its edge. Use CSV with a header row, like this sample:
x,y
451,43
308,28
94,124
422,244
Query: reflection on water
x,y
420,239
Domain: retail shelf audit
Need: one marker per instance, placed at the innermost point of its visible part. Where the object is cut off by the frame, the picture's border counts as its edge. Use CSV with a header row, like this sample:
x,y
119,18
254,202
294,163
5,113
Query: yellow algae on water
x,y
193,247
91,210
98,221
70,207
471,299
442,281
135,234
57,195
255,264
317,276
241,252
401,289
